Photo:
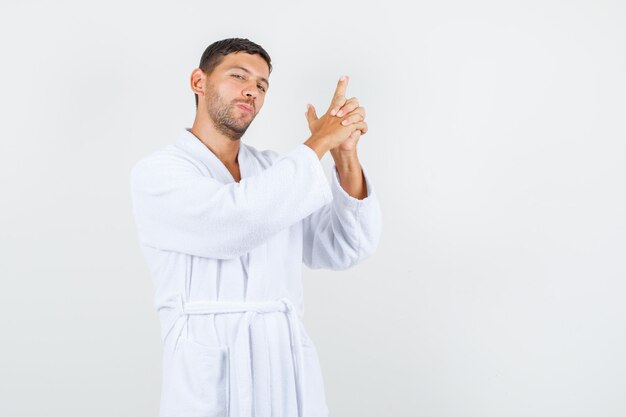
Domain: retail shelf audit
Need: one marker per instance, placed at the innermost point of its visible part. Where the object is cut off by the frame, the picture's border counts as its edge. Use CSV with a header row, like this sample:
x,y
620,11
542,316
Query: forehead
x,y
252,62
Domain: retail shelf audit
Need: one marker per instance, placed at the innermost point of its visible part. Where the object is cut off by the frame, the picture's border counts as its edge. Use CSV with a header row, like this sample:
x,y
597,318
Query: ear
x,y
197,81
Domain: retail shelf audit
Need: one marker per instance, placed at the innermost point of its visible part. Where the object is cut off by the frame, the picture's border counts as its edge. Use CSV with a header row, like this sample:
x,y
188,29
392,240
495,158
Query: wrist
x,y
346,161
319,144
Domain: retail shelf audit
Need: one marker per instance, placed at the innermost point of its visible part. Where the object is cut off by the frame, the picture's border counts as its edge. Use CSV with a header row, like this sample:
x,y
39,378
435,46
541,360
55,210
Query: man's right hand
x,y
328,132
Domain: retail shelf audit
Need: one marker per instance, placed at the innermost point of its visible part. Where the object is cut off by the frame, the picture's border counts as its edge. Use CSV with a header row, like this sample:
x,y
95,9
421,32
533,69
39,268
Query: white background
x,y
497,146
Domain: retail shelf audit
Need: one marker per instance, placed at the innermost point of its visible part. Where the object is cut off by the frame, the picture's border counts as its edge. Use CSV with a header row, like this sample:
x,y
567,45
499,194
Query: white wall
x,y
497,146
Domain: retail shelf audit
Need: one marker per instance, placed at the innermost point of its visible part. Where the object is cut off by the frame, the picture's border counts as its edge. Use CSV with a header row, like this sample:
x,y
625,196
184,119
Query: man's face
x,y
235,91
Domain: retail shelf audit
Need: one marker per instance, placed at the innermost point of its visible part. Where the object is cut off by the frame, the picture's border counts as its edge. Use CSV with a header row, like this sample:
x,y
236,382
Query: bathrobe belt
x,y
241,349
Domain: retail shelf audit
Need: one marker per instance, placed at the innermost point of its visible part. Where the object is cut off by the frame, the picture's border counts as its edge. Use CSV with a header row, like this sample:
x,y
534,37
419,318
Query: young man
x,y
225,229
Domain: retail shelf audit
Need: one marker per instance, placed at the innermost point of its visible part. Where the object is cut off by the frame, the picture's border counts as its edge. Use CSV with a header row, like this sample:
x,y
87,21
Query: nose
x,y
250,90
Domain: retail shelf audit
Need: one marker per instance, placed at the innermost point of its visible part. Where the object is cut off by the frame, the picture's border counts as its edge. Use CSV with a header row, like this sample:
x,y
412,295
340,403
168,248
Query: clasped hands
x,y
341,127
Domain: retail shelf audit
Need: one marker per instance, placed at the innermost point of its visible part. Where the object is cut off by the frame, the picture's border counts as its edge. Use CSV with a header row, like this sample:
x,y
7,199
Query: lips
x,y
245,107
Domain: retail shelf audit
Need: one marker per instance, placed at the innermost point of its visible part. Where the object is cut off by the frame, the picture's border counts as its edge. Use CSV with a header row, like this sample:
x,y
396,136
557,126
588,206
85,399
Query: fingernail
x,y
333,112
343,78
344,122
340,113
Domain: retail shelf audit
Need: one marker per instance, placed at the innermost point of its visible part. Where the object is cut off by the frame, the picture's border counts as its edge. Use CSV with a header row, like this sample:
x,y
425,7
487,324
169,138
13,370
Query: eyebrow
x,y
249,72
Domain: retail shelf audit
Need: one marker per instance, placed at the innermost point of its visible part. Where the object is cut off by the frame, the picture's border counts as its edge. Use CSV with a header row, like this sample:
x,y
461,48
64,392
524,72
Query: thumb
x,y
310,114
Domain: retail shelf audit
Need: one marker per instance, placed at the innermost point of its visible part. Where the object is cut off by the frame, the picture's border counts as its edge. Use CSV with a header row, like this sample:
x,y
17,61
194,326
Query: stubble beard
x,y
223,117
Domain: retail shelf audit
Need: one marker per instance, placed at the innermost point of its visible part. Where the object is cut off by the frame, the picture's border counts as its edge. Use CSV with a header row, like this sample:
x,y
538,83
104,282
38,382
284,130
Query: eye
x,y
238,76
261,87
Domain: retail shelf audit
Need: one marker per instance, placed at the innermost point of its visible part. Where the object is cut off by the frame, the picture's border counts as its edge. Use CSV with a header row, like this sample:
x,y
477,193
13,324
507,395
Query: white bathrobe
x,y
226,260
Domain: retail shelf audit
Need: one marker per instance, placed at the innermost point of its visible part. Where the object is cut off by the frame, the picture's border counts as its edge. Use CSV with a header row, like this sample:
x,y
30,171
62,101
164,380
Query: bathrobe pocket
x,y
195,382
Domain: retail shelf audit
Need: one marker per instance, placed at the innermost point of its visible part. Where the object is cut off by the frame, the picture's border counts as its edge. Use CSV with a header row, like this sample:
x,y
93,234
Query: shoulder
x,y
170,161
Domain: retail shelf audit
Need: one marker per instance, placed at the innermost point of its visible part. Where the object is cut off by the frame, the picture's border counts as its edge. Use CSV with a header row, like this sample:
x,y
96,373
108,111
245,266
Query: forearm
x,y
351,175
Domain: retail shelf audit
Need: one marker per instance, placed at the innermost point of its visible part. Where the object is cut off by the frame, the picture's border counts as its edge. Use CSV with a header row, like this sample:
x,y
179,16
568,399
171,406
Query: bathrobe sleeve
x,y
177,208
344,232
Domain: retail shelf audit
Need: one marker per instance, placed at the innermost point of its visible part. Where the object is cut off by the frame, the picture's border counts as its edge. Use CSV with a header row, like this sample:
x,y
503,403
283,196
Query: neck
x,y
225,148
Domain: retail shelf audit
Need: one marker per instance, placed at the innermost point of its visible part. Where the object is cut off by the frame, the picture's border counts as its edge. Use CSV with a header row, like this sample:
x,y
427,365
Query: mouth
x,y
245,107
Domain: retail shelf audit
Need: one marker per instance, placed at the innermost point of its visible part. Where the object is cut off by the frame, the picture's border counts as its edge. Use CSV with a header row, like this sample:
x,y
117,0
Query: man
x,y
225,229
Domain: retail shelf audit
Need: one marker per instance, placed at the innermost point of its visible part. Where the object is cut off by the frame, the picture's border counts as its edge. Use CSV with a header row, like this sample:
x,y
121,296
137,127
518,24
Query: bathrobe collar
x,y
194,146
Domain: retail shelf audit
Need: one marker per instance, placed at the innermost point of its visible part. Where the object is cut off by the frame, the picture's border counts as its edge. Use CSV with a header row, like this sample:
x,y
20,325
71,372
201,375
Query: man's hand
x,y
349,112
337,134
327,135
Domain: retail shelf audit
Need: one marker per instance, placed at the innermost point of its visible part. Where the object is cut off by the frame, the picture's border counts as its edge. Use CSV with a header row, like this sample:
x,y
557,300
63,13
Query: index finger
x,y
342,85
339,96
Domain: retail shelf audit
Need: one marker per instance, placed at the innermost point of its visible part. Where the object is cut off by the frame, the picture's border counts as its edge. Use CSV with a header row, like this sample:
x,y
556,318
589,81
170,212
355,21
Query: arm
x,y
345,232
178,209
